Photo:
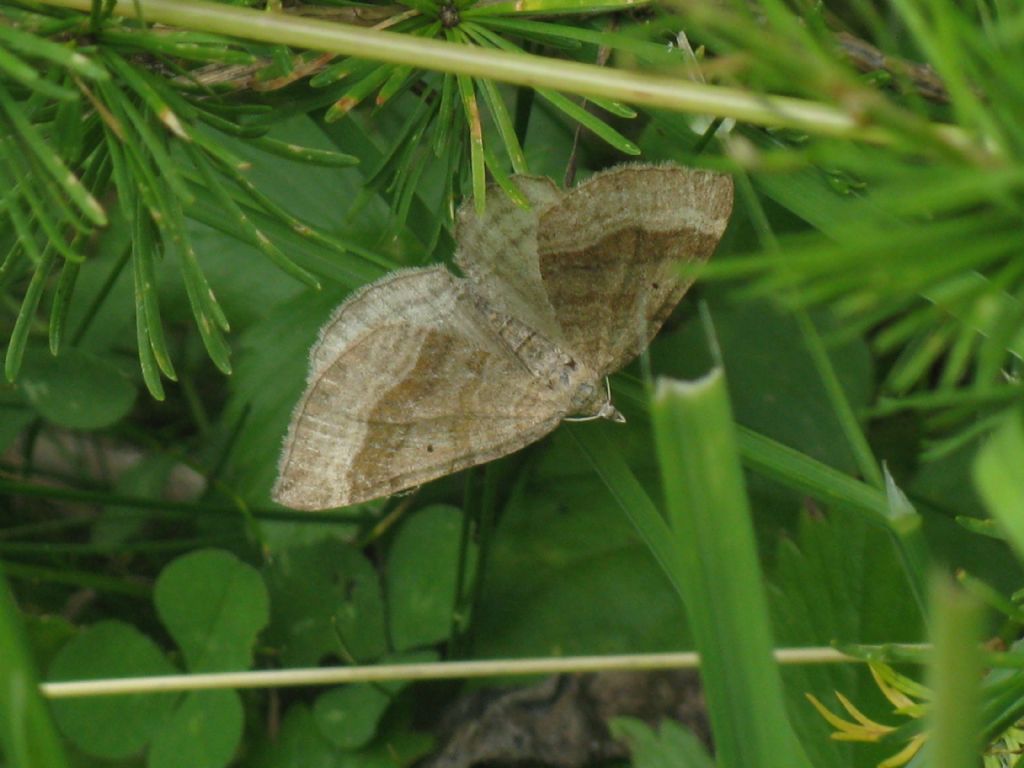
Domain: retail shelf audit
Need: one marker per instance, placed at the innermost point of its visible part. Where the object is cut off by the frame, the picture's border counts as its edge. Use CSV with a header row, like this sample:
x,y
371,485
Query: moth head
x,y
591,401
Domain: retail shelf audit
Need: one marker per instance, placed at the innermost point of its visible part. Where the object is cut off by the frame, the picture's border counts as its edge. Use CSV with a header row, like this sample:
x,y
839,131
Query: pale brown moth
x,y
423,373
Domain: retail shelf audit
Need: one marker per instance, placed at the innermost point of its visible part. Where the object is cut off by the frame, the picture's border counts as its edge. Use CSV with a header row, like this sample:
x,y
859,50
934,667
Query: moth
x,y
424,373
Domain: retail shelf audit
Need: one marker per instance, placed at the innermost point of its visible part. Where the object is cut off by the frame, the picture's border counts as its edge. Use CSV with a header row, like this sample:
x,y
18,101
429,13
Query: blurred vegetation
x,y
181,208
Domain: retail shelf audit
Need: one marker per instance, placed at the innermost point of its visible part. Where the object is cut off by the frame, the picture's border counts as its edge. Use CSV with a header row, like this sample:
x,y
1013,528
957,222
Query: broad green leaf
x,y
299,744
670,746
773,384
567,573
77,390
325,602
348,716
214,606
112,727
204,732
838,580
401,745
422,568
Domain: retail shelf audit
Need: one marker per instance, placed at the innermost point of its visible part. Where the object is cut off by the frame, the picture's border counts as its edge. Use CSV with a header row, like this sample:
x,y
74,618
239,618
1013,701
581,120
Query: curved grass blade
x,y
209,317
9,262
503,180
61,303
546,30
39,47
597,126
143,256
149,144
190,46
28,76
445,116
147,360
29,304
341,70
51,162
267,205
50,218
246,225
399,79
153,100
300,154
359,91
24,236
614,107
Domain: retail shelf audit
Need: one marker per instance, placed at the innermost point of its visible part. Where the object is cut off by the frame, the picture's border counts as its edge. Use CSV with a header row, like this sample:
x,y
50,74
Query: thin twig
x,y
431,671
643,89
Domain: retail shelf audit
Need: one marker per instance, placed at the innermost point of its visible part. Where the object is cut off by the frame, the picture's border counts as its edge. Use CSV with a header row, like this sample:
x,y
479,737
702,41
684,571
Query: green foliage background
x,y
180,210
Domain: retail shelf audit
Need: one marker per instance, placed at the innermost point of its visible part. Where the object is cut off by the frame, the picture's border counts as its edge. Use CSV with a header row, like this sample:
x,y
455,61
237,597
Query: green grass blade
x,y
866,461
399,81
567,105
51,162
52,216
548,30
191,46
27,734
257,199
503,180
209,317
21,72
499,112
39,47
246,224
719,575
955,676
542,7
476,141
147,360
802,473
887,508
24,236
359,91
606,459
156,103
61,304
589,120
144,271
299,154
29,304
445,116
